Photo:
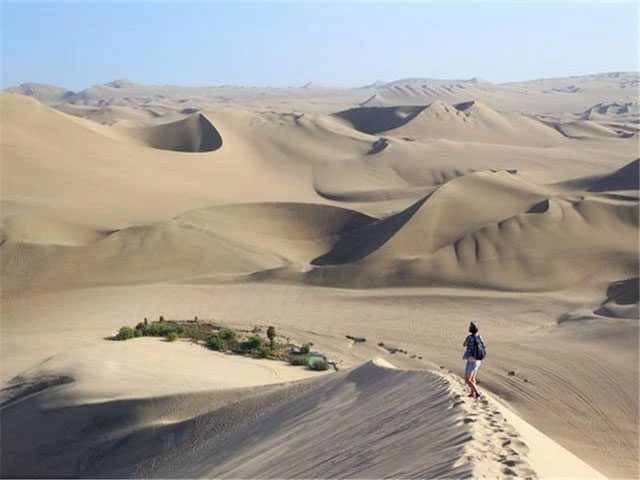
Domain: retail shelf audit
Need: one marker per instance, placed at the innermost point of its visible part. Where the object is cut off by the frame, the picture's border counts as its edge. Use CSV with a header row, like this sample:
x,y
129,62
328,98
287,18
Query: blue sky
x,y
280,44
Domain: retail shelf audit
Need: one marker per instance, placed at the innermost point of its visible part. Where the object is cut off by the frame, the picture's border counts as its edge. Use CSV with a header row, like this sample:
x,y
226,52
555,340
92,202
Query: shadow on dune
x,y
379,119
371,422
192,134
625,178
368,239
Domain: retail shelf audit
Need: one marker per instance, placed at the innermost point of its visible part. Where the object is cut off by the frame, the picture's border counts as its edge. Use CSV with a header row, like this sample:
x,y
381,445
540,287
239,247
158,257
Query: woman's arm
x,y
464,344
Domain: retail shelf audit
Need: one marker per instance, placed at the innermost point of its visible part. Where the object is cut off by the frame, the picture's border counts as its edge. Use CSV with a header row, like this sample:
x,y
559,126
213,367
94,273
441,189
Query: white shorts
x,y
471,367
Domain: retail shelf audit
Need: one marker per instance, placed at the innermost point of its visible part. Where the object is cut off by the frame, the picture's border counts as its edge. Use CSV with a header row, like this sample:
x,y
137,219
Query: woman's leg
x,y
467,380
474,388
472,381
468,375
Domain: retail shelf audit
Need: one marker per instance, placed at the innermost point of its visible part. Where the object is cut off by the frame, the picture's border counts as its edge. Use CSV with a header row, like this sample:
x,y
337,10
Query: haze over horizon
x,y
78,45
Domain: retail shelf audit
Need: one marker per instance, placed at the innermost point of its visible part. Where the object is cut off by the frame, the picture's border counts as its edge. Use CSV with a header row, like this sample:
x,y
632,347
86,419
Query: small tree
x,y
271,334
305,348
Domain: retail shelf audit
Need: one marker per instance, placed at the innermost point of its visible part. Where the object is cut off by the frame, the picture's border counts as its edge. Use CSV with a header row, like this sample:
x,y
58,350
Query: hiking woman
x,y
473,354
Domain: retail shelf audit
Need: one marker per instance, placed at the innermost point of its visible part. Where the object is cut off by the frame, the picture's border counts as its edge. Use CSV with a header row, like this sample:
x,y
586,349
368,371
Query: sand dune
x,y
193,134
495,243
467,121
48,94
127,115
622,179
622,300
582,130
375,421
573,94
422,244
553,95
618,110
518,209
223,241
375,120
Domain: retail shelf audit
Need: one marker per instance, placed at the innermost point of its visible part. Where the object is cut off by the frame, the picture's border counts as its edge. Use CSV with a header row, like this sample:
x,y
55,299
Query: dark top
x,y
471,345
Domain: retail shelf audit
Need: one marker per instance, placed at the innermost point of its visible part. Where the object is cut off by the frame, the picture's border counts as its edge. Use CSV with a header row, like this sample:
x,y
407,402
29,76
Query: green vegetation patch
x,y
225,339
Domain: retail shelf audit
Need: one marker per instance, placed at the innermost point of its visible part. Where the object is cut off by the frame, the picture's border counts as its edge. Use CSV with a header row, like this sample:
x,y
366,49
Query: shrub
x,y
214,342
298,360
263,351
125,333
138,333
305,348
162,329
197,334
227,334
140,326
271,334
318,363
254,342
172,336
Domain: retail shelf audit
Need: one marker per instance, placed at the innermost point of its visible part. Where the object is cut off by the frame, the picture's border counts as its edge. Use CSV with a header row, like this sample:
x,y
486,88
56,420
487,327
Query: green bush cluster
x,y
172,336
227,339
299,360
196,333
224,340
254,342
214,342
318,363
160,329
125,333
227,334
314,362
263,351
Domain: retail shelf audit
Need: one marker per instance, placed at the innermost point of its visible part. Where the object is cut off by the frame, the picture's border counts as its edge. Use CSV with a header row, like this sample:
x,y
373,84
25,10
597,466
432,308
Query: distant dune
x,y
193,134
468,121
48,94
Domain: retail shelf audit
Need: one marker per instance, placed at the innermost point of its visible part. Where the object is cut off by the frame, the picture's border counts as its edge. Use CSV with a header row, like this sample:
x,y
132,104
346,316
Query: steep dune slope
x,y
374,120
625,180
516,238
193,134
374,421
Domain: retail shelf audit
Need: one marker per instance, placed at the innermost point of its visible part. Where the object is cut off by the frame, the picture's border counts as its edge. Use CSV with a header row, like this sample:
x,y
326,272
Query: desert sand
x,y
396,211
